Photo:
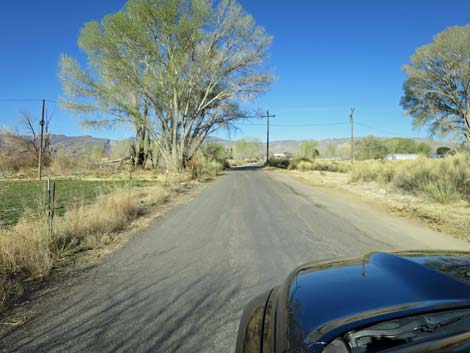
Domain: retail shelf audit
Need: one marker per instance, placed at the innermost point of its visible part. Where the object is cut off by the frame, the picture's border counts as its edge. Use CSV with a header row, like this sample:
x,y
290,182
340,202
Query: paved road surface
x,y
181,285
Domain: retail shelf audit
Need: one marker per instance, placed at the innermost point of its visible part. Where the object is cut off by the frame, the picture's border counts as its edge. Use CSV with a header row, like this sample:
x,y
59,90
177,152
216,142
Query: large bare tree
x,y
437,91
179,69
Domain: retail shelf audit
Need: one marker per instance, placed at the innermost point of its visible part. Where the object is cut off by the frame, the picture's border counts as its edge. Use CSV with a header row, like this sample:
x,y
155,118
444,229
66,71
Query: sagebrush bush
x,y
279,162
443,180
305,164
202,166
441,190
332,166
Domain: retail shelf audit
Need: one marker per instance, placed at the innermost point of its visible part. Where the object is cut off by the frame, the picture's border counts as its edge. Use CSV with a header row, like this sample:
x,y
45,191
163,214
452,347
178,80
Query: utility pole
x,y
351,119
267,116
41,138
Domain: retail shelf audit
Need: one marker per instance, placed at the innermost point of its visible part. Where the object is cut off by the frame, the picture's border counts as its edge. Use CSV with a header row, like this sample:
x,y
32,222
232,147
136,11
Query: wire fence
x,y
52,197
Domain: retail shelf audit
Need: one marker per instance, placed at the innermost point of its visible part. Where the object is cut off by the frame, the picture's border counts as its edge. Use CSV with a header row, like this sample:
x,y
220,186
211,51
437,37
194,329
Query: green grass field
x,y
18,196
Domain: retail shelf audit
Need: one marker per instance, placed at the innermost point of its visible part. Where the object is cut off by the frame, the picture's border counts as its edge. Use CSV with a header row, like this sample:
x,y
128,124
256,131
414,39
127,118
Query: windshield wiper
x,y
427,324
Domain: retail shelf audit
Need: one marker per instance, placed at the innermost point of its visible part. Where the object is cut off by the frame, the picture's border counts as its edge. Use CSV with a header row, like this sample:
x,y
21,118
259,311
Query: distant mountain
x,y
80,145
74,146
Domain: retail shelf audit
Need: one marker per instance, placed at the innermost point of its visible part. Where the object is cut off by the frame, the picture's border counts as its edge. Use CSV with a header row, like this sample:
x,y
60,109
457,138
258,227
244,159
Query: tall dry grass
x,y
24,253
28,250
304,164
442,180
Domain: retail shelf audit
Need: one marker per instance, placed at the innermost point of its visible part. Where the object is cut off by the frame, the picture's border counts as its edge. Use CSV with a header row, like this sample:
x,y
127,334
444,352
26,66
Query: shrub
x,y
279,163
294,163
441,190
203,167
308,150
443,180
305,164
366,171
332,166
215,151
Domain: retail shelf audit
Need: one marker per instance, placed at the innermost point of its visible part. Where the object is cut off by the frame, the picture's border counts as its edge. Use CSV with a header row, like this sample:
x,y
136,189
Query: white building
x,y
279,155
401,157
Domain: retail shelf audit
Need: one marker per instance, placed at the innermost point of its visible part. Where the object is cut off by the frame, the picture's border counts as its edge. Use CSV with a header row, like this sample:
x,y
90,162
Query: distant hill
x,y
74,146
80,145
281,146
294,145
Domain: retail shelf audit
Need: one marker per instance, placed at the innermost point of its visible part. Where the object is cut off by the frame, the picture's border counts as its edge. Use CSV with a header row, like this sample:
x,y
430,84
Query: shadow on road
x,y
141,313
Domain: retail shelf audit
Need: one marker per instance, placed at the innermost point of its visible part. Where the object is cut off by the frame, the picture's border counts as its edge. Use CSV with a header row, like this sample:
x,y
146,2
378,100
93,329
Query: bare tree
x,y
24,147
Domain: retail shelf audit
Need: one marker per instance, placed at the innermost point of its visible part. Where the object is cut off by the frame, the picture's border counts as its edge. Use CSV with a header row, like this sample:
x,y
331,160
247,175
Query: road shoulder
x,y
371,217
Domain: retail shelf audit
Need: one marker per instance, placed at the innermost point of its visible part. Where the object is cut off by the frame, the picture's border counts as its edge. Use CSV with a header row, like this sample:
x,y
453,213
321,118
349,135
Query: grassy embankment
x,y
436,191
90,214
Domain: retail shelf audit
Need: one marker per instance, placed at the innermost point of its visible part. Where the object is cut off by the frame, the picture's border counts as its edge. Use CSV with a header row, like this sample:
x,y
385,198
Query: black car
x,y
381,302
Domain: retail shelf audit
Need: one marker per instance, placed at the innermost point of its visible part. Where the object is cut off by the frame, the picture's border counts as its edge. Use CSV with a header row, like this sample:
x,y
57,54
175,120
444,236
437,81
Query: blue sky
x,y
328,56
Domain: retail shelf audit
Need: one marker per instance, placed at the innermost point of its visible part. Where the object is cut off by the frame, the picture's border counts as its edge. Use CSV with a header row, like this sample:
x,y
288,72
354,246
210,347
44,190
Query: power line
x,y
29,100
377,129
55,101
241,123
20,100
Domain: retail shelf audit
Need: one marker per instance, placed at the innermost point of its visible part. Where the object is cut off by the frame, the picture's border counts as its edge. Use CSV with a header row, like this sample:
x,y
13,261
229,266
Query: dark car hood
x,y
326,299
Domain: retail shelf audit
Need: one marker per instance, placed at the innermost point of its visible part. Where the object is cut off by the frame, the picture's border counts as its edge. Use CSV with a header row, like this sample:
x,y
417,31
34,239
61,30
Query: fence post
x,y
50,204
130,186
52,209
48,197
43,198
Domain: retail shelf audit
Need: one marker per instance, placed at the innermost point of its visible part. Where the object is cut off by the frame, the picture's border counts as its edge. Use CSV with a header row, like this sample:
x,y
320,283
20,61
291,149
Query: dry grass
x,y
304,164
24,253
442,180
84,225
28,250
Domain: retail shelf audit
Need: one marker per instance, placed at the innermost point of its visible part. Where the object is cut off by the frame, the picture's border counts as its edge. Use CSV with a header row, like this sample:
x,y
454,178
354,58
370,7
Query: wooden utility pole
x,y
41,139
351,119
267,116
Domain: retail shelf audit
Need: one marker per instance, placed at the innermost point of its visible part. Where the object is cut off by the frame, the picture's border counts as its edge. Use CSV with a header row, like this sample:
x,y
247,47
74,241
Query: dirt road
x,y
181,285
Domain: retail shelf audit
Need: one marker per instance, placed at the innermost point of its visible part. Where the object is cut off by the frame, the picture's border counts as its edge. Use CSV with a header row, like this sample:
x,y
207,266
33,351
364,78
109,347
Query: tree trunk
x,y
466,119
